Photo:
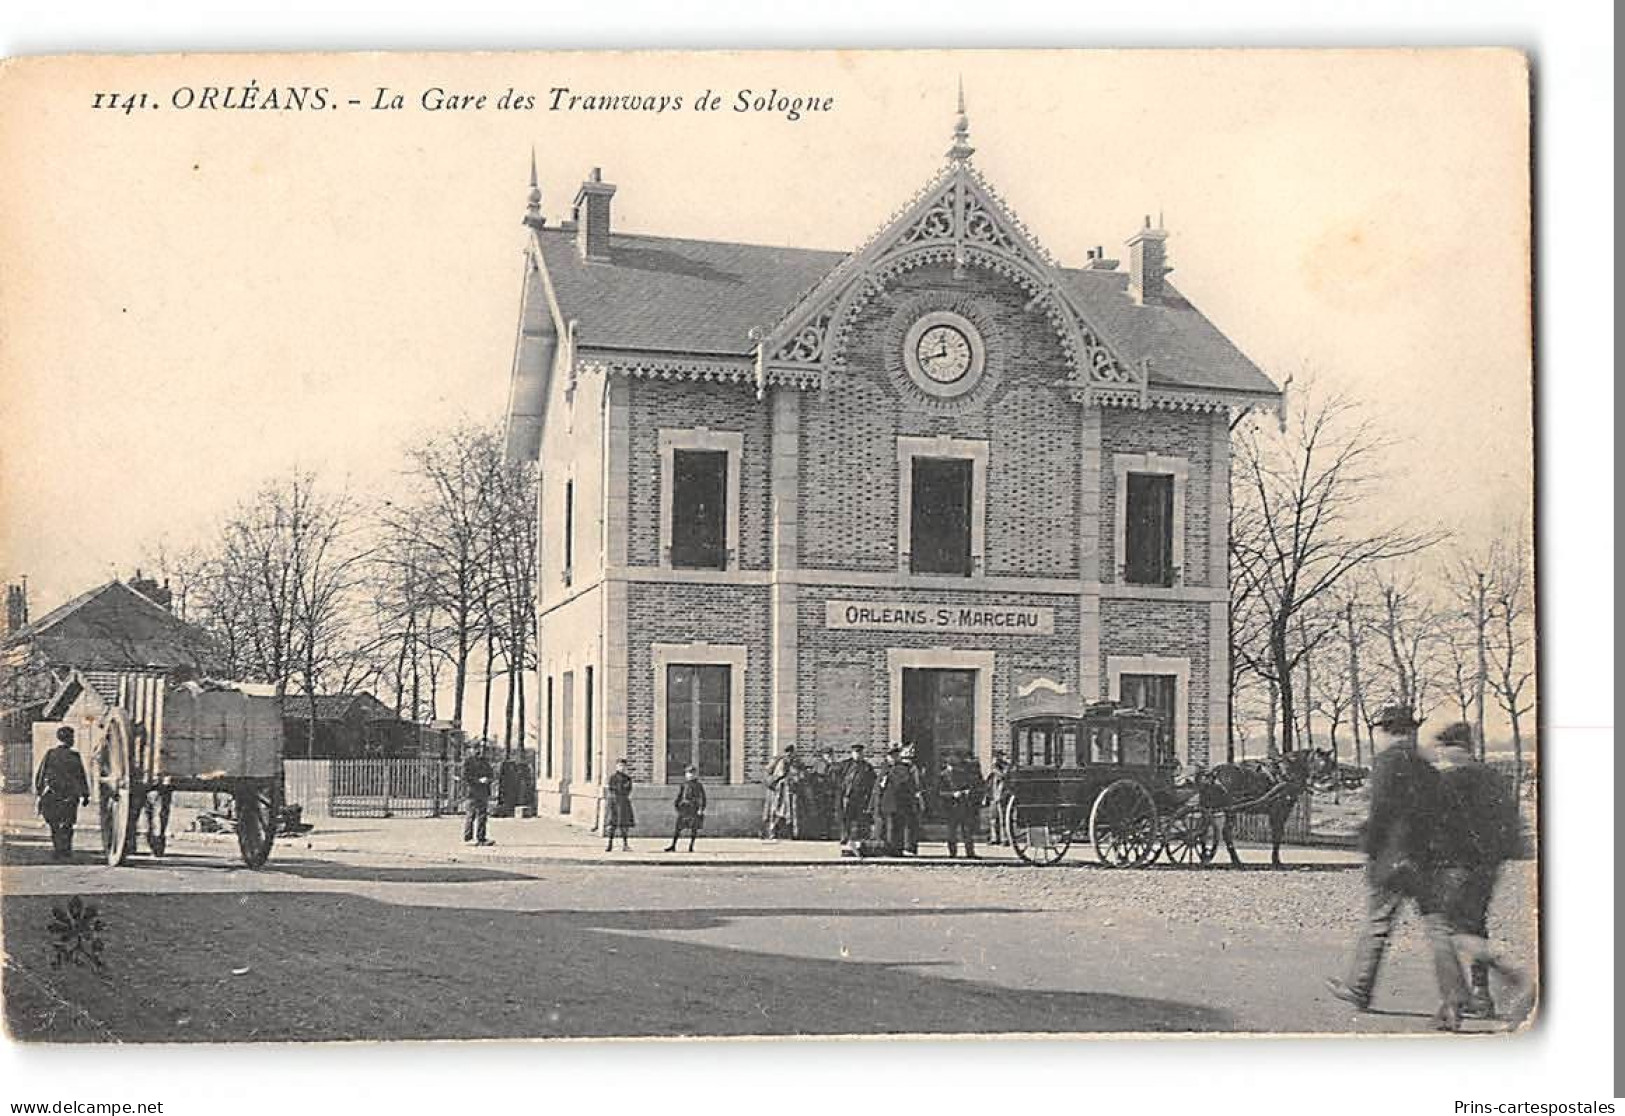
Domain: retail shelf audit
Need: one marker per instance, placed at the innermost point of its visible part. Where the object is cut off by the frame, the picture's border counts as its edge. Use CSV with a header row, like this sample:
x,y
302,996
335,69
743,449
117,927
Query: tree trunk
x,y
1481,624
1283,674
1356,696
490,679
1272,746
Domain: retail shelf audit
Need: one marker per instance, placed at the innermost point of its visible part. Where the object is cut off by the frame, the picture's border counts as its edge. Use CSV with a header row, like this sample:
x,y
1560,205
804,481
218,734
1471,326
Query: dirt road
x,y
372,947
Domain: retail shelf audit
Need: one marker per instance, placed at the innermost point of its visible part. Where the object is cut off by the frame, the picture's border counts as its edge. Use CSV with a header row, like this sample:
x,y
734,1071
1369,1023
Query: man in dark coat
x,y
690,807
61,785
857,782
1478,827
961,793
477,780
618,815
901,804
995,793
1398,838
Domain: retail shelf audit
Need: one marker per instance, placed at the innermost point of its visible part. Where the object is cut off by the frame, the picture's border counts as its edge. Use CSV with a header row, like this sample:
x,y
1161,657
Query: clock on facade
x,y
943,353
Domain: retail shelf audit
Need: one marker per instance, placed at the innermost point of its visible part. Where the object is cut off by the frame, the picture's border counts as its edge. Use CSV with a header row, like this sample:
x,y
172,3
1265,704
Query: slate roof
x,y
111,627
702,297
336,707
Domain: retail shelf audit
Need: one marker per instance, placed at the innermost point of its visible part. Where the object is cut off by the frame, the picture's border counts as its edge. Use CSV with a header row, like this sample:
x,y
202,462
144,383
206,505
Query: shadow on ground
x,y
305,966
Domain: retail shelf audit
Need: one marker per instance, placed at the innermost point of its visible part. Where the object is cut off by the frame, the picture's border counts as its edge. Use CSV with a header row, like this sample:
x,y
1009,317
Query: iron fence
x,y
391,788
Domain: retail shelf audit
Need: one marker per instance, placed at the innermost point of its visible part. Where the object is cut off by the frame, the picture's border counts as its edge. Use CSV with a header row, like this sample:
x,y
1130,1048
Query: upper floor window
x,y
1148,557
699,498
941,516
942,505
1150,518
699,510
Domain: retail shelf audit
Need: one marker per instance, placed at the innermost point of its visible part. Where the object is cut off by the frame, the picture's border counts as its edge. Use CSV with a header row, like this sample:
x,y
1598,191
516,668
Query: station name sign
x,y
880,616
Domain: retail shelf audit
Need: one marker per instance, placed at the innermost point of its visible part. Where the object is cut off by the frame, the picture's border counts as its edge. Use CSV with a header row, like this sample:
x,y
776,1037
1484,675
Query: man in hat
x,y
1398,837
856,781
61,785
477,779
995,794
1478,828
961,793
902,804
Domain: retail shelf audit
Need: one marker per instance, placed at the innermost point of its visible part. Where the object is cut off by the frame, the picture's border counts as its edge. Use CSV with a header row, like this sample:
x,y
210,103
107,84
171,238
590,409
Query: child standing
x,y
690,808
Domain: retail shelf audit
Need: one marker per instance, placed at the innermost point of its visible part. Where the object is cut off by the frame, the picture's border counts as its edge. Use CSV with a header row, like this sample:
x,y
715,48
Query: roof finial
x,y
961,149
533,204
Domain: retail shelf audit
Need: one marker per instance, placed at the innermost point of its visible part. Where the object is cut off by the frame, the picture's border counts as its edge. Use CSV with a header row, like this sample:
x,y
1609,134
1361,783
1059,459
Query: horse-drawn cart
x,y
1110,776
158,736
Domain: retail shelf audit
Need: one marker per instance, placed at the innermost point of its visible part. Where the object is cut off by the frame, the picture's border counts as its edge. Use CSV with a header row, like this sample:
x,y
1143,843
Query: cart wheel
x,y
1123,826
256,825
1190,838
117,789
1037,833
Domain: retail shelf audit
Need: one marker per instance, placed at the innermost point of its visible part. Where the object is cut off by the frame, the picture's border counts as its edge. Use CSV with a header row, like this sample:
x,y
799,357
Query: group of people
x,y
880,806
1440,825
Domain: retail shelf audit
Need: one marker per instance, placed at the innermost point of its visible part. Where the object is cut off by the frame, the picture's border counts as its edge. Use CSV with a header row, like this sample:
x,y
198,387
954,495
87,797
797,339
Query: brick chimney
x,y
16,606
150,589
1147,263
1098,260
592,216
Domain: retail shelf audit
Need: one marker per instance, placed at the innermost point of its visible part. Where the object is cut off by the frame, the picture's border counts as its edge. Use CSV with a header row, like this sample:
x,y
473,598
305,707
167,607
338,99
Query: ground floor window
x,y
1158,693
698,715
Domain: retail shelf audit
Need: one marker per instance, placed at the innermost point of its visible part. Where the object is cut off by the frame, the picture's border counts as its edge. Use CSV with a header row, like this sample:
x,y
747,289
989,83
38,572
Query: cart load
x,y
152,735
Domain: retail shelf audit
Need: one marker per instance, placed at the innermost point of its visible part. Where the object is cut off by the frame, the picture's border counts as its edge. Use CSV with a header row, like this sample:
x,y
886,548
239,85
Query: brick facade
x,y
687,357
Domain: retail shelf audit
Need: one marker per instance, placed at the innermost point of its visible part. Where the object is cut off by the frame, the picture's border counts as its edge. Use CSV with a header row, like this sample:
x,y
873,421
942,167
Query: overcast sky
x,y
194,301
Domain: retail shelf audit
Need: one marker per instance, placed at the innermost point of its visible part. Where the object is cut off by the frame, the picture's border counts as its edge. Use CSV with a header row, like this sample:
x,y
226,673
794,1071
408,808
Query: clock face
x,y
943,353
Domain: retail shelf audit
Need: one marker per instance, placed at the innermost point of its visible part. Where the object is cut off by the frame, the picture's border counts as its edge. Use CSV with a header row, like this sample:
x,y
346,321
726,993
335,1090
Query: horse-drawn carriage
x,y
1109,775
151,736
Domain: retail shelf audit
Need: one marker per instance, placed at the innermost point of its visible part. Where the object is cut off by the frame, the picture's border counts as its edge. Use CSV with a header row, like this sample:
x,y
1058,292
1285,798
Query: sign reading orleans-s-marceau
x,y
977,619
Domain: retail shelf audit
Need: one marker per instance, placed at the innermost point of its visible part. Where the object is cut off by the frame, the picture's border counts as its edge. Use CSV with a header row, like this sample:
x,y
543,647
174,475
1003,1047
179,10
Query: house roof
x,y
113,626
711,294
337,707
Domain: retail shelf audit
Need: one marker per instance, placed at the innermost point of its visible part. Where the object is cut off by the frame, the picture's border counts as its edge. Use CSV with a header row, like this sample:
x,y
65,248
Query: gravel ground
x,y
371,947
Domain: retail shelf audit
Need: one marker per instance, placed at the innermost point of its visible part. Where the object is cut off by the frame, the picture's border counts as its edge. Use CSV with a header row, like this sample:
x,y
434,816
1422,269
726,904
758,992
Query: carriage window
x,y
1136,746
1104,746
1068,749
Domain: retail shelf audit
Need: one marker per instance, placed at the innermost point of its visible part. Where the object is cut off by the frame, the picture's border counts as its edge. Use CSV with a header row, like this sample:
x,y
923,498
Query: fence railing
x,y
377,787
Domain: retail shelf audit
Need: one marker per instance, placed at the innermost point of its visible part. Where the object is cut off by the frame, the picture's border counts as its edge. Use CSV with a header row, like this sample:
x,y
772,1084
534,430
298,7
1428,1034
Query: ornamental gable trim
x,y
956,219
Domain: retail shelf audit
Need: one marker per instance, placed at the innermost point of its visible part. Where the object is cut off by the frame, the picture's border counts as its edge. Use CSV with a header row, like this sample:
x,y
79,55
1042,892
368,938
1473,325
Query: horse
x,y
1270,787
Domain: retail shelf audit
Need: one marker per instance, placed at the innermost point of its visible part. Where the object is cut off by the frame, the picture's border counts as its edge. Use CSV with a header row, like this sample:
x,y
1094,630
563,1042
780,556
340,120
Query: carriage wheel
x,y
256,825
118,789
1123,826
1190,838
1040,838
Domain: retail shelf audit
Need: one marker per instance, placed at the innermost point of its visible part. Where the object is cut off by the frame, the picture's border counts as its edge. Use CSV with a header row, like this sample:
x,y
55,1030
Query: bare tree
x,y
1304,484
1410,628
276,584
1470,580
1511,646
441,531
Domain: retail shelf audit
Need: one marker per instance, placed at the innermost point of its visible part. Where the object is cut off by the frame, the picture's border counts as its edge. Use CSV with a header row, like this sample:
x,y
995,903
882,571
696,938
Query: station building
x,y
900,494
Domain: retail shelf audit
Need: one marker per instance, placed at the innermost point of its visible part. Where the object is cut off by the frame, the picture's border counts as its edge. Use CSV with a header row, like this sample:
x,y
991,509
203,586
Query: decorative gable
x,y
957,220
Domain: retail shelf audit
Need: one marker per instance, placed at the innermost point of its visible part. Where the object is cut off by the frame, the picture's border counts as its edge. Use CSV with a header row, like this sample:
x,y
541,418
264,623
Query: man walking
x,y
1398,844
1478,828
61,785
477,779
961,795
